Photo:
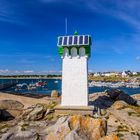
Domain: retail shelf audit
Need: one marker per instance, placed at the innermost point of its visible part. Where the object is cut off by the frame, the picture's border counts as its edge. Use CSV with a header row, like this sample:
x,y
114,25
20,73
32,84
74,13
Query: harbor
x,y
30,86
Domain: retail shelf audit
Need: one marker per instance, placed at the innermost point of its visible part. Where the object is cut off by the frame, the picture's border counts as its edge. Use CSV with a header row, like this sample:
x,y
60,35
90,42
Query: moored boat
x,y
21,86
40,84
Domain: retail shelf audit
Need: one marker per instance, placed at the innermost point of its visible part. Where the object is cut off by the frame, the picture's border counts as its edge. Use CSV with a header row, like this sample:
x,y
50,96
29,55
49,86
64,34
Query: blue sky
x,y
29,30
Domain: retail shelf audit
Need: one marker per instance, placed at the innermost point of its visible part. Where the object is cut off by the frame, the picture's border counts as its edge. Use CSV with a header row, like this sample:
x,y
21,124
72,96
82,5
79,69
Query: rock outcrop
x,y
34,113
11,104
119,105
113,119
123,114
18,132
10,109
5,115
54,94
100,100
136,97
77,127
110,137
117,94
38,112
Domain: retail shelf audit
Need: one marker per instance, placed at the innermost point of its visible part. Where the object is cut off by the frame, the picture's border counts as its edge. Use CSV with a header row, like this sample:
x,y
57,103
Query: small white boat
x,y
32,86
21,86
56,82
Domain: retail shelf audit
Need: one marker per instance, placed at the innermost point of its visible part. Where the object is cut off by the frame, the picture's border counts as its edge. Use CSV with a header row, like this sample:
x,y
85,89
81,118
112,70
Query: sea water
x,y
55,84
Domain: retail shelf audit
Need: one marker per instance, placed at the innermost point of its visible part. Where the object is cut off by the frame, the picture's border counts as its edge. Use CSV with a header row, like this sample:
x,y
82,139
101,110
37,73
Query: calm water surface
x,y
53,85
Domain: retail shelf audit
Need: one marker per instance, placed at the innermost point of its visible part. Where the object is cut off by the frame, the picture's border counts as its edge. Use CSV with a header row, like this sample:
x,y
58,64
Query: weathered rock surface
x,y
72,136
77,127
100,100
20,133
123,116
34,113
113,94
136,97
59,130
131,136
8,115
10,109
39,122
54,94
116,94
110,137
124,126
119,105
128,99
10,104
65,128
38,112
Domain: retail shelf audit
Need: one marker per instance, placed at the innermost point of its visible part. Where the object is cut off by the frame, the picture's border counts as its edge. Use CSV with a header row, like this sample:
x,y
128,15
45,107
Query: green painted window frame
x,y
61,50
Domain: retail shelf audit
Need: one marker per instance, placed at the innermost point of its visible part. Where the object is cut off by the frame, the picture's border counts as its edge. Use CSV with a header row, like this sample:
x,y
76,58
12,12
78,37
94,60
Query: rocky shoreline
x,y
115,84
116,116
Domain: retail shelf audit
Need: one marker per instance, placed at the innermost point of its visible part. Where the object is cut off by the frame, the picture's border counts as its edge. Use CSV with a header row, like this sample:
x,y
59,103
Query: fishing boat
x,y
32,86
40,84
21,86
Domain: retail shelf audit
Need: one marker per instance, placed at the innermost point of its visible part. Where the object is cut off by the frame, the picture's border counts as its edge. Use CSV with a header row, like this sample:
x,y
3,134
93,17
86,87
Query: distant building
x,y
135,73
97,74
126,73
108,74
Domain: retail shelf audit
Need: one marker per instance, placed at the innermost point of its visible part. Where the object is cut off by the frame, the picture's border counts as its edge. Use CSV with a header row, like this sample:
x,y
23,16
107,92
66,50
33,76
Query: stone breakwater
x,y
116,116
115,84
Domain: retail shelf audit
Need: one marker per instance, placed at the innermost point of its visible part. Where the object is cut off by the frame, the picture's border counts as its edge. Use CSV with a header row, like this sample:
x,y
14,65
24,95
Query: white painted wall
x,y
74,80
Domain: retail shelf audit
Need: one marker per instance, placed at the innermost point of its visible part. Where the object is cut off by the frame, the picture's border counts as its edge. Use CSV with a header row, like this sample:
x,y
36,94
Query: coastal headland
x,y
116,116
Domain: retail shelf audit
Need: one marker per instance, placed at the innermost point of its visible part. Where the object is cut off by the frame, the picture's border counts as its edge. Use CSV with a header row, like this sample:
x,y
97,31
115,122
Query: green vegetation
x,y
29,76
135,76
122,128
24,126
136,111
109,78
90,77
2,126
120,135
133,114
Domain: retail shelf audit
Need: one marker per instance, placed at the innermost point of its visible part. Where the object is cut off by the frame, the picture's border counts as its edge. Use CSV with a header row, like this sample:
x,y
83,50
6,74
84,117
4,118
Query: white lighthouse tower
x,y
74,51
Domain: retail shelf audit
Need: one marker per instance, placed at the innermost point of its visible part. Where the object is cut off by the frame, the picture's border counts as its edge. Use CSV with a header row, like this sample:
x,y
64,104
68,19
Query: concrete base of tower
x,y
74,110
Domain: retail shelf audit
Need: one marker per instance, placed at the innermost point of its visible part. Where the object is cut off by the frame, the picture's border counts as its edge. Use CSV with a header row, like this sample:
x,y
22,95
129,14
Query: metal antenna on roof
x,y
66,26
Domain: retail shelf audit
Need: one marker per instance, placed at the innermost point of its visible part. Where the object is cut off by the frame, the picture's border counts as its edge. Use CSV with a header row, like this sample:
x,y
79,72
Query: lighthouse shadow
x,y
102,102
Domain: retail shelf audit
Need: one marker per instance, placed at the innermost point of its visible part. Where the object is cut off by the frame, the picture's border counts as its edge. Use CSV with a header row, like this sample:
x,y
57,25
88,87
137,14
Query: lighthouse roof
x,y
74,40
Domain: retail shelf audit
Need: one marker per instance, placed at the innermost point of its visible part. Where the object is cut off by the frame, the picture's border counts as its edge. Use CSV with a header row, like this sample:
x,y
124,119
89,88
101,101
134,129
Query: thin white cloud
x,y
127,11
4,71
27,72
26,61
138,58
9,13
